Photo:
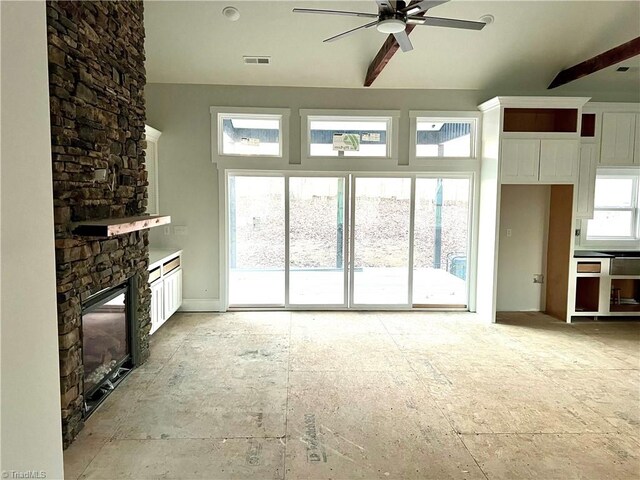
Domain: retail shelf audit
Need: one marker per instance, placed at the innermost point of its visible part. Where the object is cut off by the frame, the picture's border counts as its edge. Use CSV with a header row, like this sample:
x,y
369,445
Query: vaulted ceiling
x,y
526,46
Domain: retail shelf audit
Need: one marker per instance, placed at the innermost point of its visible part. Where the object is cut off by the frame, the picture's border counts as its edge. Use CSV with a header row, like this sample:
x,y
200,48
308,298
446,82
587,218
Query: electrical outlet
x,y
508,232
180,230
167,230
538,278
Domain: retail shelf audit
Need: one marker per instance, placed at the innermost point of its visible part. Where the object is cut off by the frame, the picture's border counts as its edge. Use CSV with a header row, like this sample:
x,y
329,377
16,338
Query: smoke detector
x,y
487,19
231,13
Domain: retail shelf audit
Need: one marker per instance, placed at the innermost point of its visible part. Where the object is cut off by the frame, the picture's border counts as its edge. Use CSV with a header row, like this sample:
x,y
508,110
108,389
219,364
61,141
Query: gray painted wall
x,y
188,181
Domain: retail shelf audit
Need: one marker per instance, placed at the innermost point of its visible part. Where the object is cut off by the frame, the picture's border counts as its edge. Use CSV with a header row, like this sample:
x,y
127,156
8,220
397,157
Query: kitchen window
x,y
616,216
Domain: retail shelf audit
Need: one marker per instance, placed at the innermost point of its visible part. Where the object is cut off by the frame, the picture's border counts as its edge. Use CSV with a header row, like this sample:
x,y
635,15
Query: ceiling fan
x,y
395,16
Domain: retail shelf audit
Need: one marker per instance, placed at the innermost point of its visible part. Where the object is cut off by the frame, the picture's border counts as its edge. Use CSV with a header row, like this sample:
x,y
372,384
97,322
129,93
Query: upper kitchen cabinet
x,y
559,161
619,138
538,138
526,160
520,160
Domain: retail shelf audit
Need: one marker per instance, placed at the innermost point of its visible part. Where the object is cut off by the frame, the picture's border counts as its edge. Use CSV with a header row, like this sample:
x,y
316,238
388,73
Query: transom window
x,y
349,137
440,135
616,211
246,134
443,138
340,133
249,132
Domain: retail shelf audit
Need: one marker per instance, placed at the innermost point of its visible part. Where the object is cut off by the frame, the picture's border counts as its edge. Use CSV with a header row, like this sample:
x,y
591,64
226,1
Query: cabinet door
x,y
618,132
520,160
586,181
559,161
172,292
178,290
157,306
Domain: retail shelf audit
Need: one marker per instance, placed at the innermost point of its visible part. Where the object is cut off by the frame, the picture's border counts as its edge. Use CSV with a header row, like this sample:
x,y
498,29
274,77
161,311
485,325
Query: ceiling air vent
x,y
257,60
622,69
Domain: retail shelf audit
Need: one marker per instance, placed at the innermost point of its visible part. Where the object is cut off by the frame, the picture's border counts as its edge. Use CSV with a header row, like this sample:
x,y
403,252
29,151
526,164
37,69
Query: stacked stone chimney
x,y
96,82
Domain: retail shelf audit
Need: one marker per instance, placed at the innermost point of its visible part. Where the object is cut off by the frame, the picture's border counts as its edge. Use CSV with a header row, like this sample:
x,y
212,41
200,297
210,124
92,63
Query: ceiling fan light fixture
x,y
391,25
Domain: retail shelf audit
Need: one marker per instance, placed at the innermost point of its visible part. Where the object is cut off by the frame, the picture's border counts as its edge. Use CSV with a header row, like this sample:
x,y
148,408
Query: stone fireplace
x,y
108,353
96,83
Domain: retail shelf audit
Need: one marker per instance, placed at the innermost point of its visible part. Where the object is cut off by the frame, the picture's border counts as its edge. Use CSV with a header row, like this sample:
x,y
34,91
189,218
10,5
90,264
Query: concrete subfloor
x,y
342,395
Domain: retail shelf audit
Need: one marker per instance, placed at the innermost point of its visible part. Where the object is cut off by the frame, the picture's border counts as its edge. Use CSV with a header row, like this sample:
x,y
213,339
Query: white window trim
x,y
442,116
616,242
283,115
391,116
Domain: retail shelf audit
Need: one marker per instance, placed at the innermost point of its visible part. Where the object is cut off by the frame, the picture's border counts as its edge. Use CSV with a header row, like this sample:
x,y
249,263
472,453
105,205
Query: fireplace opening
x,y
107,340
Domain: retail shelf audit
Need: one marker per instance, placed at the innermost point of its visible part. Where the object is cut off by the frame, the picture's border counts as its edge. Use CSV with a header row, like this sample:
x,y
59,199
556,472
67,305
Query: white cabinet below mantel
x,y
539,160
165,281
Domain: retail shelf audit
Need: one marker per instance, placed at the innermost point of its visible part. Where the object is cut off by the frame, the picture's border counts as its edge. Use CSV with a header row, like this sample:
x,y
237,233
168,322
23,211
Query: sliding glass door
x,y
348,241
382,212
440,242
317,261
256,241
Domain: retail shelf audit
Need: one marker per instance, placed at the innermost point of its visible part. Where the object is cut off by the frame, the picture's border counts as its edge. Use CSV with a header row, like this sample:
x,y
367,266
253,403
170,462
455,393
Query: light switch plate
x,y
180,230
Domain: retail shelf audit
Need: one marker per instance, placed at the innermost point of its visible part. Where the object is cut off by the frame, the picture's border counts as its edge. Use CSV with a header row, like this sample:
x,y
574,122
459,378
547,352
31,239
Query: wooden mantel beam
x,y
610,57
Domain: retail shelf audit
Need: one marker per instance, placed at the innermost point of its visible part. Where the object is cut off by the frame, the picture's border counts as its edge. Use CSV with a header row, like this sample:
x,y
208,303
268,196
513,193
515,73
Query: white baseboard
x,y
200,305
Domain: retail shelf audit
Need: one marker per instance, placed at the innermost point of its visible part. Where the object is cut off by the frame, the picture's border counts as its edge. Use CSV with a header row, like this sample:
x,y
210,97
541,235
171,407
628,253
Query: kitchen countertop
x,y
605,254
590,254
158,255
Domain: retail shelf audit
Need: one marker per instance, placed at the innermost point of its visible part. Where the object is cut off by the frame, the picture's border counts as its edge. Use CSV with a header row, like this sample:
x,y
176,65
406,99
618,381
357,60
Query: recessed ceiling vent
x,y
622,69
257,60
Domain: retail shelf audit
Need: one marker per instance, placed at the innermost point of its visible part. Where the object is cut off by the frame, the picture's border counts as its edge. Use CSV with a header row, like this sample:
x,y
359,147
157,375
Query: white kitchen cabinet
x,y
157,305
618,139
172,292
520,160
586,180
539,161
165,272
558,161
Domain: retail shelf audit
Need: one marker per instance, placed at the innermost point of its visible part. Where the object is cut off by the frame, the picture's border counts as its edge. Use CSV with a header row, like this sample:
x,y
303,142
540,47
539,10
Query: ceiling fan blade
x,y
335,12
446,22
403,40
348,32
421,6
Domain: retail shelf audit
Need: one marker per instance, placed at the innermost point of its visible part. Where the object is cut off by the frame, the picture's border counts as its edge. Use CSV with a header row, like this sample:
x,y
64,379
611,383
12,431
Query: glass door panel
x,y
256,241
441,239
317,241
382,209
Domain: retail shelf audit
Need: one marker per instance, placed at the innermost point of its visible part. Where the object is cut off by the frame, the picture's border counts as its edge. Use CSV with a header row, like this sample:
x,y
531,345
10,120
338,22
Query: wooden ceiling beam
x,y
388,50
610,57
